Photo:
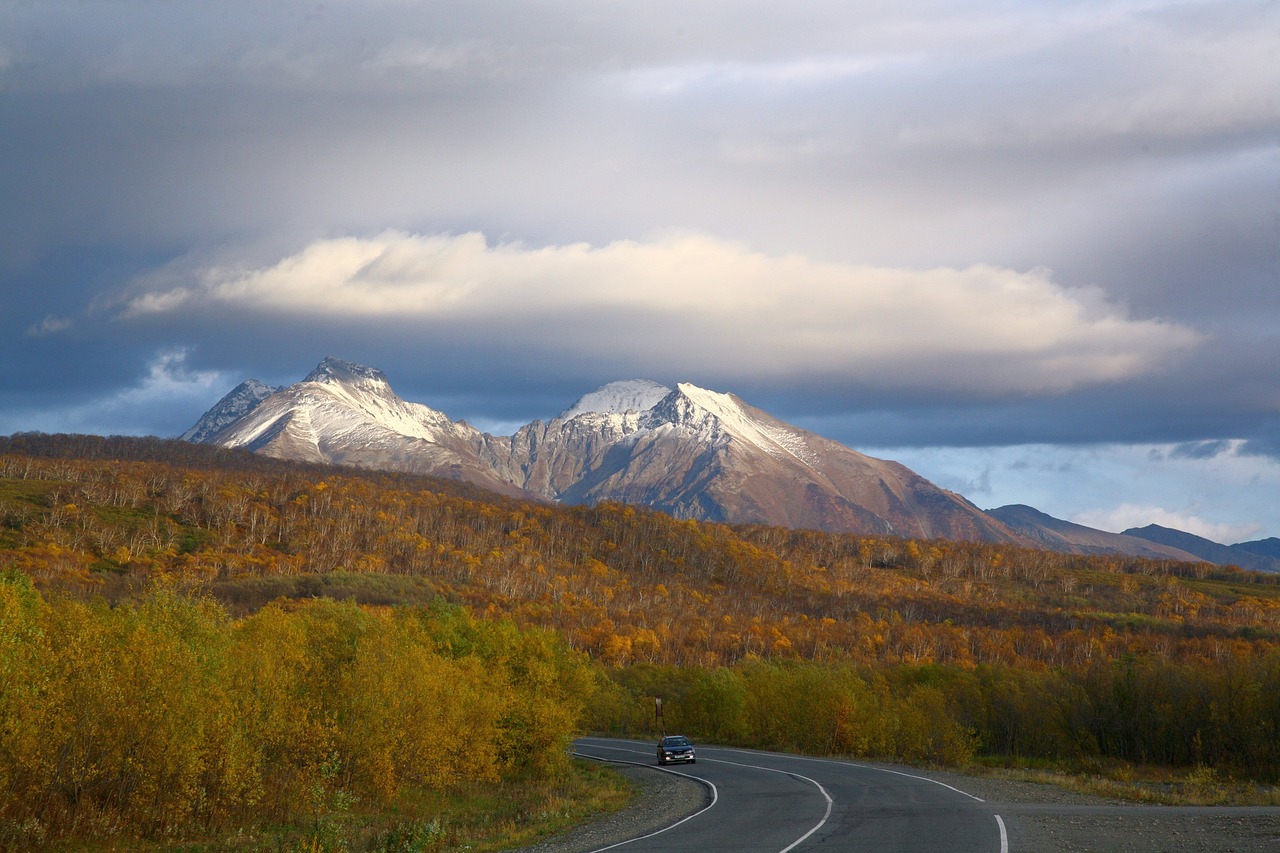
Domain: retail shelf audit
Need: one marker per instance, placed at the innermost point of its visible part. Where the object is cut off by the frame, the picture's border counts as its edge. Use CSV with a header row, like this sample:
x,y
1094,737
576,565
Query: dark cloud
x,y
154,146
1268,445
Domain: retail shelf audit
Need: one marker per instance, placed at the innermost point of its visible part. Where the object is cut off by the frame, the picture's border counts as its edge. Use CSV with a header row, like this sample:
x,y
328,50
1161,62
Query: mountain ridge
x,y
1207,549
691,452
1066,536
688,451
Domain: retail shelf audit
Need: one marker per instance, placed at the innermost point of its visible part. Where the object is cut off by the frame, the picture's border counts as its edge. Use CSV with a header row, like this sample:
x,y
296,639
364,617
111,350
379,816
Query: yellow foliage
x,y
152,719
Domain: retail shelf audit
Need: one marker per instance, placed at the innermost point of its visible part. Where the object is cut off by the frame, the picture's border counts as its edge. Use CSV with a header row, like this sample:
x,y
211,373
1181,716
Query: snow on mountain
x,y
241,400
366,393
707,455
338,372
335,371
628,395
347,414
725,413
688,451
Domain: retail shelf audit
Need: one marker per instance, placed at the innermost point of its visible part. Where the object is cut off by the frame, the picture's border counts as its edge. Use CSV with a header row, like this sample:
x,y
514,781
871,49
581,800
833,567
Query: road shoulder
x,y
660,800
1047,819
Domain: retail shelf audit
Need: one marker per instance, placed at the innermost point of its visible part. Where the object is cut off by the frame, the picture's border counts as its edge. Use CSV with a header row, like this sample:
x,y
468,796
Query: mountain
x,y
700,454
688,451
238,403
1264,547
347,414
1067,537
1205,549
616,398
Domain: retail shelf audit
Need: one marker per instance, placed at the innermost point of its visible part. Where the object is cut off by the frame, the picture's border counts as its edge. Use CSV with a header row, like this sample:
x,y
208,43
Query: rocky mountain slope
x,y
688,451
242,400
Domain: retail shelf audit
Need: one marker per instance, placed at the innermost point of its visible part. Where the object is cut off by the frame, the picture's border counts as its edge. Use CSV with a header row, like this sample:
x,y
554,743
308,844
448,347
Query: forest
x,y
131,564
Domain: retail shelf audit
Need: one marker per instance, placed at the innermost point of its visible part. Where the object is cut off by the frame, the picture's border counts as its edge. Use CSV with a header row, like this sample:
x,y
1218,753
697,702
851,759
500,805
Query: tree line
x,y
1139,710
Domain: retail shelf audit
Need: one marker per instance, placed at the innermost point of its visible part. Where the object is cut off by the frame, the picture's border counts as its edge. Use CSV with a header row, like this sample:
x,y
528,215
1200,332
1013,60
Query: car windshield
x,y
676,740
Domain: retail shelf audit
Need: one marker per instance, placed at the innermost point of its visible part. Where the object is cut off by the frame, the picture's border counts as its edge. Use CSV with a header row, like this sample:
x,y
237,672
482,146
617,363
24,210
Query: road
x,y
775,803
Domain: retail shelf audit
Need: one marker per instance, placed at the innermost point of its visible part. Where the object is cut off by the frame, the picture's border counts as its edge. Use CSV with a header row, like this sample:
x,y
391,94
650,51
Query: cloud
x,y
690,303
1268,446
899,171
1202,449
768,75
168,387
1126,516
50,325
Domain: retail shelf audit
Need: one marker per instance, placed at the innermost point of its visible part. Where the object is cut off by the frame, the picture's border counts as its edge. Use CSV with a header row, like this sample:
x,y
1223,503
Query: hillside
x,y
624,584
860,645
1266,547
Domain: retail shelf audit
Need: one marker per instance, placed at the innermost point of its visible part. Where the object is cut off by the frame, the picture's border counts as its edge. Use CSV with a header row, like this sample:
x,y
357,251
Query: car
x,y
676,748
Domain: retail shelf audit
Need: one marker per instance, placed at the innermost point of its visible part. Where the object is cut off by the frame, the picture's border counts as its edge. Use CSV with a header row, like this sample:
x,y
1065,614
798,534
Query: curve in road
x,y
761,801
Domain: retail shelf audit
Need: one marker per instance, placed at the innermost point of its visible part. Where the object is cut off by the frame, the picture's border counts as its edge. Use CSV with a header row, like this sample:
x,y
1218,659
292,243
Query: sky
x,y
1030,249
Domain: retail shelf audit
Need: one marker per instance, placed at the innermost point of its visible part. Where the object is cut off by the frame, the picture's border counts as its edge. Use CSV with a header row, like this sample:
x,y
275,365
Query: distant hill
x,y
1206,549
1264,547
1067,537
211,457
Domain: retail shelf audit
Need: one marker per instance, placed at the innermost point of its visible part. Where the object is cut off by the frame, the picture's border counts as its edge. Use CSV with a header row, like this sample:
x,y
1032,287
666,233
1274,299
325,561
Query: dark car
x,y
676,748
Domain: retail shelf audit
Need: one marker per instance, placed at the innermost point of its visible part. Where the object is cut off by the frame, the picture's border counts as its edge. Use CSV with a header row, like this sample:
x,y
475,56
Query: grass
x,y
1227,591
242,596
1200,786
478,818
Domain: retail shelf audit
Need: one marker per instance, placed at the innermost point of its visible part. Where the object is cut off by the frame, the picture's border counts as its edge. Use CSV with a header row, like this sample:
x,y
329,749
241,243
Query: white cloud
x,y
1118,518
405,55
1226,498
688,304
168,377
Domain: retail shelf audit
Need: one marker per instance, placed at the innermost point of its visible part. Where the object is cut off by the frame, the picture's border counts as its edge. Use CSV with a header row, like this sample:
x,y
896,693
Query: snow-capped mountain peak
x,y
335,371
239,402
628,395
689,451
724,415
340,409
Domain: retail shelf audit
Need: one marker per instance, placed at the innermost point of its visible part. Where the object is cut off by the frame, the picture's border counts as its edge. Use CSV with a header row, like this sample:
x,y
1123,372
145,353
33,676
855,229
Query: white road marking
x,y
813,782
715,795
1004,835
864,767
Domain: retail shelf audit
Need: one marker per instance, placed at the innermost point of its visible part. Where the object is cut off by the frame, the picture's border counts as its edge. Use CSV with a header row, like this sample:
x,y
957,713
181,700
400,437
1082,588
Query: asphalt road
x,y
775,803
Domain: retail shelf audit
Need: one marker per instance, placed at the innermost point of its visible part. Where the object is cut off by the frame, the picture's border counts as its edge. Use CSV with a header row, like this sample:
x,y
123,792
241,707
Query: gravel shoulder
x,y
661,799
1043,818
1040,818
